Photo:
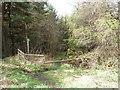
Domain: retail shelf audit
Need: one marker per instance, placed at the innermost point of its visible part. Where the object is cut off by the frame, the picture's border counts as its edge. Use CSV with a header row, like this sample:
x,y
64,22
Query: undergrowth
x,y
54,73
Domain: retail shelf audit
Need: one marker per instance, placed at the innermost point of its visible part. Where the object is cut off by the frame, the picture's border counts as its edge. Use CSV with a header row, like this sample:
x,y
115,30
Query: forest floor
x,y
93,78
100,79
62,76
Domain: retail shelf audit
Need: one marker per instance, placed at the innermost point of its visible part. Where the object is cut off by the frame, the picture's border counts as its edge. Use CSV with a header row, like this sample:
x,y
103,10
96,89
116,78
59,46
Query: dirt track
x,y
102,79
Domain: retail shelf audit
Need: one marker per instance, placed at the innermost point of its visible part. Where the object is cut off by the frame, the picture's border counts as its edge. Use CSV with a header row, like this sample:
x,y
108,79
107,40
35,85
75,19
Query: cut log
x,y
60,61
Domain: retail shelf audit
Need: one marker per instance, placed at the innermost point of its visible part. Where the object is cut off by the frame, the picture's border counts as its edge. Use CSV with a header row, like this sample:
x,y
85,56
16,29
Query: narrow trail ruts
x,y
43,78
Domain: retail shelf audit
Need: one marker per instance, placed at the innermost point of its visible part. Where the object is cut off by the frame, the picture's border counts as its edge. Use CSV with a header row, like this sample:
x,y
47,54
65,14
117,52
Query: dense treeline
x,y
94,28
91,30
36,21
0,30
76,51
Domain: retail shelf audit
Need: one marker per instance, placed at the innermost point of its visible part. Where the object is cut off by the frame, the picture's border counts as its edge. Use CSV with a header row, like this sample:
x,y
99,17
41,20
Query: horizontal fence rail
x,y
38,59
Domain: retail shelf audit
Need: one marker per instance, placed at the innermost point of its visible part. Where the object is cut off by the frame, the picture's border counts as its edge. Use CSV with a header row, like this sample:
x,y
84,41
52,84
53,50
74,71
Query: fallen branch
x,y
58,61
35,55
26,70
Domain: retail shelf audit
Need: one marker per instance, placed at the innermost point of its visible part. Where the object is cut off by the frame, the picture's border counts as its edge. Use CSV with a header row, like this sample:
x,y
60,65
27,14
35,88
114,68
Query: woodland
x,y
76,51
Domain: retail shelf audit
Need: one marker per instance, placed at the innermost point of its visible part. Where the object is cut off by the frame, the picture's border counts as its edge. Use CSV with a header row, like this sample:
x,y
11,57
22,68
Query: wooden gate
x,y
33,58
39,59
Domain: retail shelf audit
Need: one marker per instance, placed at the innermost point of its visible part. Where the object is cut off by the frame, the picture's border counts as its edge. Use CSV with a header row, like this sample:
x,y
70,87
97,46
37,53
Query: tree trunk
x,y
13,43
27,39
0,36
11,32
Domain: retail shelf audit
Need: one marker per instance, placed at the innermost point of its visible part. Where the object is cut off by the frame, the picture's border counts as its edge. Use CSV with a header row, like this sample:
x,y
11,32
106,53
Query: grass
x,y
57,74
96,75
59,56
23,80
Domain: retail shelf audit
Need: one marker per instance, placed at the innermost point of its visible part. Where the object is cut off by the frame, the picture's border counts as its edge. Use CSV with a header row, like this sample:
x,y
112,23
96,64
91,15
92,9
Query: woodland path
x,y
99,79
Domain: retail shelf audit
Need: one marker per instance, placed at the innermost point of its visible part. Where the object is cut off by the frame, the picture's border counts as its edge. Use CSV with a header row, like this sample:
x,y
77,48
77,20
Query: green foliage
x,y
71,43
92,26
11,60
90,29
32,67
59,55
24,80
60,76
16,19
64,67
38,22
71,53
90,34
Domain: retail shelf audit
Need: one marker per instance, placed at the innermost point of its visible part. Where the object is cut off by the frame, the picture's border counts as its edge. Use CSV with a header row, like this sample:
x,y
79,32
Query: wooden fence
x,y
21,55
39,59
33,58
